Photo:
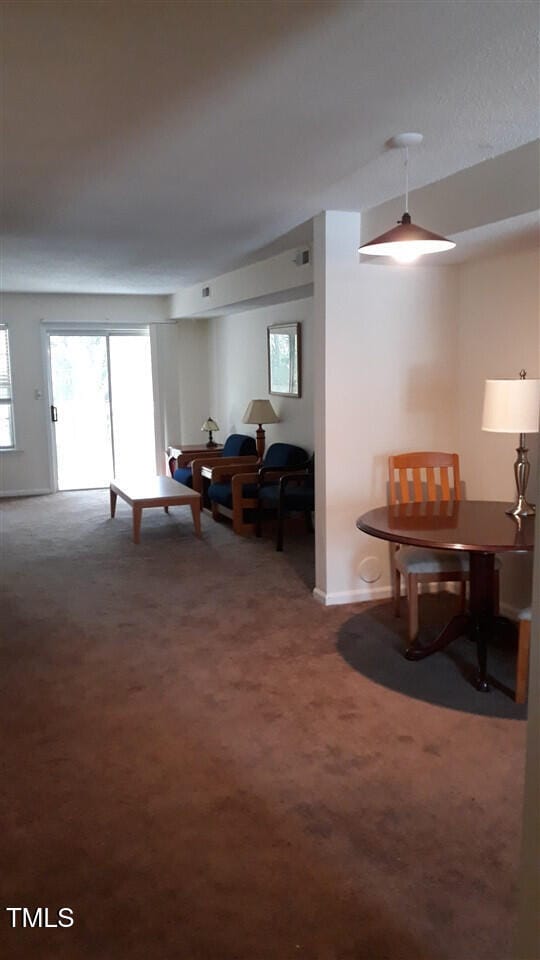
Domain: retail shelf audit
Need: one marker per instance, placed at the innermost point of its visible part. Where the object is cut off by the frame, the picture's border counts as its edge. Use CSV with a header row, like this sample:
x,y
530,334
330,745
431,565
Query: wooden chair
x,y
413,478
286,494
238,446
236,477
233,489
197,465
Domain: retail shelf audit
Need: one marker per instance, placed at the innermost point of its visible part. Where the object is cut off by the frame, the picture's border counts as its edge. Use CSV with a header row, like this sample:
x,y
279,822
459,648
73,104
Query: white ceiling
x,y
151,145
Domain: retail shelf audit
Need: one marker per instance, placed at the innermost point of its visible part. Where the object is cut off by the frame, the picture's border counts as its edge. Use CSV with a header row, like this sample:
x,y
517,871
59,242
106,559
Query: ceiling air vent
x,y
206,291
301,258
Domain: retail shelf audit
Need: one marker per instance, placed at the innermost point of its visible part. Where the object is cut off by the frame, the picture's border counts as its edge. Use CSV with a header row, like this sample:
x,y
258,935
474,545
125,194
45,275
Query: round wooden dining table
x,y
480,527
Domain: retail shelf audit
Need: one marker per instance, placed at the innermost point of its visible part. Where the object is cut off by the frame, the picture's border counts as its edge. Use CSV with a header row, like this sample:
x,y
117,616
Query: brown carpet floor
x,y
205,764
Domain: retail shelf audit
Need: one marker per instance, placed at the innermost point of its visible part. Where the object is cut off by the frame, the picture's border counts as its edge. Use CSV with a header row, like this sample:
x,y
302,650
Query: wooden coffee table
x,y
141,492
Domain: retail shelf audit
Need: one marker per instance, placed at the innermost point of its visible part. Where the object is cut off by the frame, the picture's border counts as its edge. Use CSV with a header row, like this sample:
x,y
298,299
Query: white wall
x,y
384,383
164,343
27,470
238,372
498,334
527,933
194,380
264,279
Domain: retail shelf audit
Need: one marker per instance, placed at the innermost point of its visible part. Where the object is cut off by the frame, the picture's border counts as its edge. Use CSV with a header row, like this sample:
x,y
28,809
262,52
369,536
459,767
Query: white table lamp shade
x,y
260,411
511,406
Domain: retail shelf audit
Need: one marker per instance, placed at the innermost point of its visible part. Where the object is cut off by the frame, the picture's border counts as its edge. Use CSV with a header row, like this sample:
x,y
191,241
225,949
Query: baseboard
x,y
24,493
362,595
367,593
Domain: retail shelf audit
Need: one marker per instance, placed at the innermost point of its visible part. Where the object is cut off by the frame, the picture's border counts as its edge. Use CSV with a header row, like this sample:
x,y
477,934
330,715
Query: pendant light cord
x,y
406,179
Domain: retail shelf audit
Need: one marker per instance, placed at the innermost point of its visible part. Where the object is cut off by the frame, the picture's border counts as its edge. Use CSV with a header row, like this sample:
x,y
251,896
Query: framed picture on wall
x,y
285,360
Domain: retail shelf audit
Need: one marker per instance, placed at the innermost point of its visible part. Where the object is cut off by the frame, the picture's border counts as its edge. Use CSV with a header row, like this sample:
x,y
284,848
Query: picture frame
x,y
284,352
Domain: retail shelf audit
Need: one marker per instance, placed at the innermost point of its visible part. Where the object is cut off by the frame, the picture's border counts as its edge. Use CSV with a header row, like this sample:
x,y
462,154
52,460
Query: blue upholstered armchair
x,y
233,490
292,492
236,446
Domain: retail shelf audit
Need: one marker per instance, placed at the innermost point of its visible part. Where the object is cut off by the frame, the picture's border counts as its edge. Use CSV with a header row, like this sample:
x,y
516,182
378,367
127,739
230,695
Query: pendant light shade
x,y
406,242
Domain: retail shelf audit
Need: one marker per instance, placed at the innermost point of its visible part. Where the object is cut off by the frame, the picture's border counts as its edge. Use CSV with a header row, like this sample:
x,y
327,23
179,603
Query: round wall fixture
x,y
370,570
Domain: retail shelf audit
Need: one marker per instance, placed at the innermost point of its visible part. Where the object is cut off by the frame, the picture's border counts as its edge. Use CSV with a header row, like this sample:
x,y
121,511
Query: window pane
x,y
5,378
132,406
6,412
6,432
81,395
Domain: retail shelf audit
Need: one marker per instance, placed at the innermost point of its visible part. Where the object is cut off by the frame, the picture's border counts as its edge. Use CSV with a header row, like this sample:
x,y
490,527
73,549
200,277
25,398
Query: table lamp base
x,y
522,508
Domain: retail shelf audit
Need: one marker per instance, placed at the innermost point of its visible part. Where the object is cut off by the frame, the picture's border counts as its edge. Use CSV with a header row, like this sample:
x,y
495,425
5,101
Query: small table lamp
x,y
210,425
512,406
260,411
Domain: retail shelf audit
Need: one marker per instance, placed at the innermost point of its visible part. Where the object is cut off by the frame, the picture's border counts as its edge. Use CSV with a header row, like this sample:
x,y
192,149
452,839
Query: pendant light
x,y
406,242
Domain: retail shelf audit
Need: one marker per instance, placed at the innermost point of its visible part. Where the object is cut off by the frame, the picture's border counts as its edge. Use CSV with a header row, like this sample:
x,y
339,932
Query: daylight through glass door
x,y
102,407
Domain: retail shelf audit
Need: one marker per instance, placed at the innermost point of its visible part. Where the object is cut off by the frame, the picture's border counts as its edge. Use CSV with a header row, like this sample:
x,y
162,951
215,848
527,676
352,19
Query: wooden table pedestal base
x,y
479,624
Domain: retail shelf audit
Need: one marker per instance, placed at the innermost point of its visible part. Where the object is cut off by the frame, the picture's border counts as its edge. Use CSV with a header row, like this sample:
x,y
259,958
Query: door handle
x,y
54,413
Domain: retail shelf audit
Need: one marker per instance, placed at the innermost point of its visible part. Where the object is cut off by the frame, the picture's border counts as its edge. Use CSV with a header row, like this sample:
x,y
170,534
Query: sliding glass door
x,y
132,406
102,407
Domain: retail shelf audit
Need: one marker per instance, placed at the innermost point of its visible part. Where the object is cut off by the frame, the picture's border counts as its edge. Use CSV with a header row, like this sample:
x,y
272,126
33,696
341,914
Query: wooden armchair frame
x,y
241,502
222,472
297,477
200,462
240,474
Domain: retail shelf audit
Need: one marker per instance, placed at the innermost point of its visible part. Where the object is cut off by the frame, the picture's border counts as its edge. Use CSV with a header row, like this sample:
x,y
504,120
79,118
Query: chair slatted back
x,y
424,476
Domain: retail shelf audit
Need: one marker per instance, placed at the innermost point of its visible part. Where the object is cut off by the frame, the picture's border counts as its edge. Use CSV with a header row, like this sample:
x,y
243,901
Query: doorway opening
x,y
102,408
